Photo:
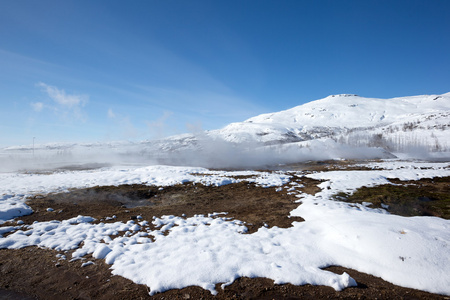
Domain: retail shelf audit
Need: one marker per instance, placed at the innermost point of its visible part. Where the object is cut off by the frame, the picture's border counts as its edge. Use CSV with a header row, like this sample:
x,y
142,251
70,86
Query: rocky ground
x,y
34,273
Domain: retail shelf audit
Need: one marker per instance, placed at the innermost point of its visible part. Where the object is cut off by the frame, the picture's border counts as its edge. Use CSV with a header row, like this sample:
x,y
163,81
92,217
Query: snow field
x,y
206,250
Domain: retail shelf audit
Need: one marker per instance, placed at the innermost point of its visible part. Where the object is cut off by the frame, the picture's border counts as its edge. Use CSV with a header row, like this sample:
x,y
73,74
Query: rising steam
x,y
194,150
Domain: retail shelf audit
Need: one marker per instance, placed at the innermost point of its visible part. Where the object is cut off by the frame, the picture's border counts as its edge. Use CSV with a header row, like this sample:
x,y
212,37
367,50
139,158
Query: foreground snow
x,y
205,250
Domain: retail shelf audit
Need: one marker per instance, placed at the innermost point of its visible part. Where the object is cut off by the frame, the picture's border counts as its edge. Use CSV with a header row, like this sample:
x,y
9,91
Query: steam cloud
x,y
195,150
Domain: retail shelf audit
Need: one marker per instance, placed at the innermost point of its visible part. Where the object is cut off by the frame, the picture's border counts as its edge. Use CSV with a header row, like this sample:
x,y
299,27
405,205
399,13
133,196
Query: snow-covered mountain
x,y
338,126
425,119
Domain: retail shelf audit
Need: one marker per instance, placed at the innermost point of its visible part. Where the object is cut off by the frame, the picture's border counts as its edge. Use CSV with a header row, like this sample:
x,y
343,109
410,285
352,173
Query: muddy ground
x,y
424,197
34,273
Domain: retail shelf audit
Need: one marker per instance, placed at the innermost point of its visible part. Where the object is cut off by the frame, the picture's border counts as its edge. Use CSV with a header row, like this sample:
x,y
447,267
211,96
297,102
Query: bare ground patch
x,y
424,197
327,165
256,206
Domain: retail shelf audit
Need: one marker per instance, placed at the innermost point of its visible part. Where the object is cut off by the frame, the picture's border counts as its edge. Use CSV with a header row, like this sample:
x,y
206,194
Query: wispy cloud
x,y
207,103
61,98
159,127
111,114
63,104
123,123
37,106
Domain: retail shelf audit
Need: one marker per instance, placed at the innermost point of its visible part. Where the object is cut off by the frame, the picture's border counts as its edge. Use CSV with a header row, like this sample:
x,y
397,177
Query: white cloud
x,y
37,106
61,98
65,105
111,114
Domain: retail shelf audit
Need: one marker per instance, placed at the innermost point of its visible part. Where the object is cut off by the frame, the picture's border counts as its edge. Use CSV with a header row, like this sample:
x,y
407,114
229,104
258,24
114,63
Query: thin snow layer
x,y
206,250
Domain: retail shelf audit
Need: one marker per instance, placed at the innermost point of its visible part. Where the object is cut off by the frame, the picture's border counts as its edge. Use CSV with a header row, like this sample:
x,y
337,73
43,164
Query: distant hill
x,y
392,123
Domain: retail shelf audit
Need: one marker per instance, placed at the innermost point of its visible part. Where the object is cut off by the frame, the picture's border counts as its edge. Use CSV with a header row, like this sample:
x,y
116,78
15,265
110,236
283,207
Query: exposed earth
x,y
35,273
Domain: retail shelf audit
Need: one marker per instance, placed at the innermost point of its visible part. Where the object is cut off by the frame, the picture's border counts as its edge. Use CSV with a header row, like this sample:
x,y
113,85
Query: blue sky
x,y
86,71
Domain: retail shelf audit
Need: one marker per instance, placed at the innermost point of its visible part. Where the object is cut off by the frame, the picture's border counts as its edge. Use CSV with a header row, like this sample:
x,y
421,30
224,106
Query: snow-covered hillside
x,y
425,118
338,126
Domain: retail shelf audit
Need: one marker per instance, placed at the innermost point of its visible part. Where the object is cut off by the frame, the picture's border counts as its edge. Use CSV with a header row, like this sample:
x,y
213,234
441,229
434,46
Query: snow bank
x,y
11,207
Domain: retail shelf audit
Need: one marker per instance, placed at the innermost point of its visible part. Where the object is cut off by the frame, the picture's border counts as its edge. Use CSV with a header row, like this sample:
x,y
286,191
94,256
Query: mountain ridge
x,y
334,115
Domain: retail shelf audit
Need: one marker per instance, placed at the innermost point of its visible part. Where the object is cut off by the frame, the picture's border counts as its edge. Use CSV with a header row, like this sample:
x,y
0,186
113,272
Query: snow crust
x,y
206,250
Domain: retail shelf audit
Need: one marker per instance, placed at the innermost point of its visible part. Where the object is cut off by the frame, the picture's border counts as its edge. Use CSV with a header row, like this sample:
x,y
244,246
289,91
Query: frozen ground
x,y
207,249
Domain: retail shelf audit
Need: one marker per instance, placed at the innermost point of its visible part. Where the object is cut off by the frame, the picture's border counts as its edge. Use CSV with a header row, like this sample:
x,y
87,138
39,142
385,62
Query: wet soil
x,y
326,165
34,273
425,197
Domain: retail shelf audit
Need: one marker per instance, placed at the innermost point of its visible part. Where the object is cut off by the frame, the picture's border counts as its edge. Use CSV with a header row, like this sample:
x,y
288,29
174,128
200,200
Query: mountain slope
x,y
338,116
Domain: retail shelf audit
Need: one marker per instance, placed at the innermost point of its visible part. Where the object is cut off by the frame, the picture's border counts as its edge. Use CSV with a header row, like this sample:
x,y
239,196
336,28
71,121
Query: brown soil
x,y
256,206
34,273
327,165
425,197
